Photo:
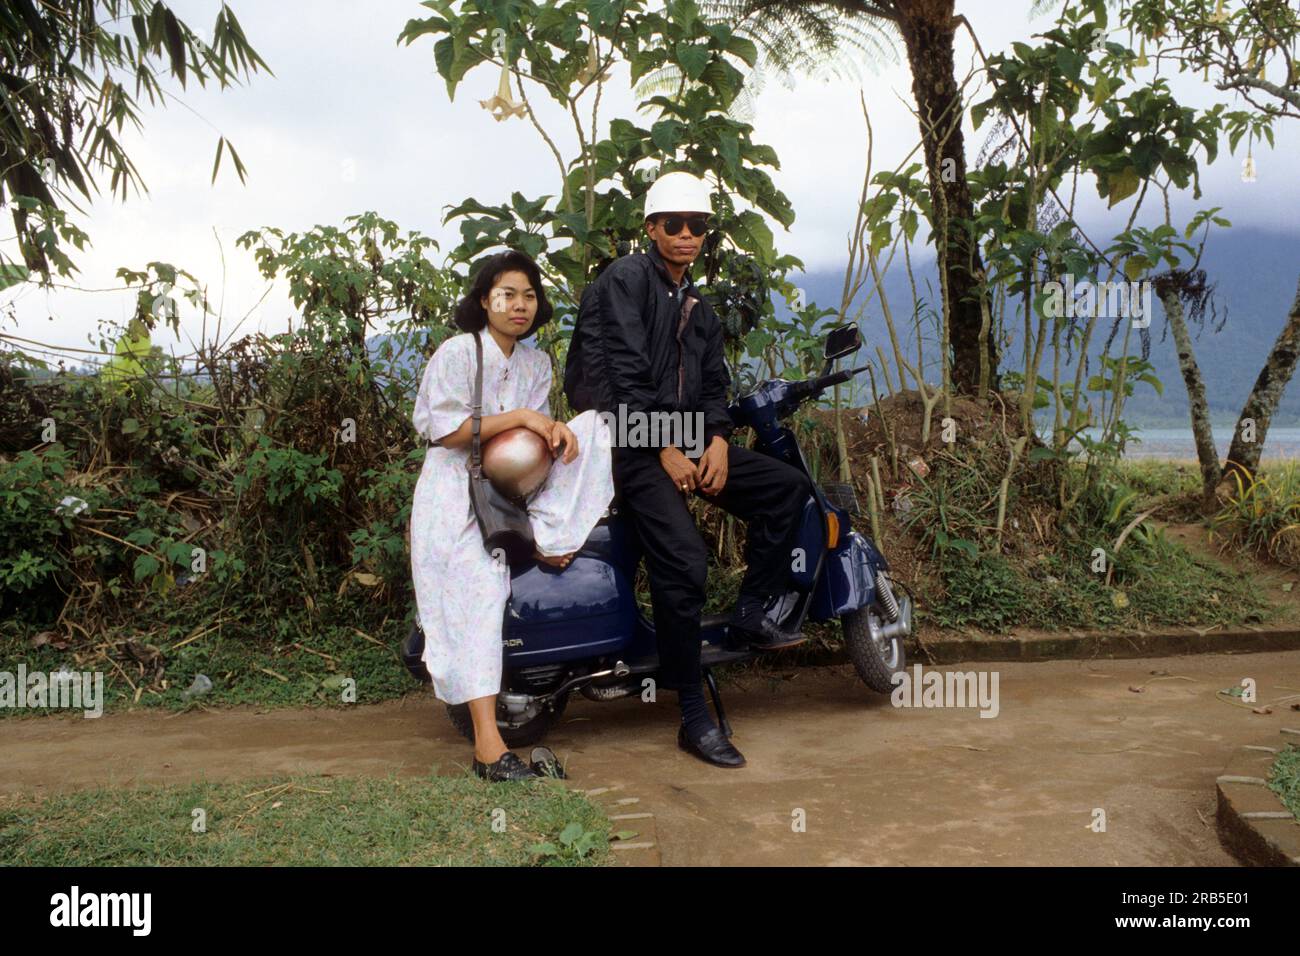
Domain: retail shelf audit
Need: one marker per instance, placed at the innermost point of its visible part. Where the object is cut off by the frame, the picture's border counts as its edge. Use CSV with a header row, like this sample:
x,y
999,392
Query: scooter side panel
x,y
848,580
810,540
587,610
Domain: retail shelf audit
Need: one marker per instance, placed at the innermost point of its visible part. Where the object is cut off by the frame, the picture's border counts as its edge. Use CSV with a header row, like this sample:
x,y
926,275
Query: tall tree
x,y
1251,49
795,34
64,70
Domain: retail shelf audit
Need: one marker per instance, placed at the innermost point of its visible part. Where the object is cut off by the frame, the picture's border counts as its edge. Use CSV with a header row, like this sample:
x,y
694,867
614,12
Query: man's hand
x,y
713,466
680,469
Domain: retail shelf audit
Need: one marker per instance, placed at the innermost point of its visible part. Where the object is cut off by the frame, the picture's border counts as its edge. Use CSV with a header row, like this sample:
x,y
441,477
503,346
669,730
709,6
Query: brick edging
x,y
1087,645
627,812
1253,823
1080,645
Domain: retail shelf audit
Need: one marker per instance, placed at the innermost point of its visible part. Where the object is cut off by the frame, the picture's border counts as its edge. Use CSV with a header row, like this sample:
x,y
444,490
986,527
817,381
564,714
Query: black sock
x,y
695,711
749,610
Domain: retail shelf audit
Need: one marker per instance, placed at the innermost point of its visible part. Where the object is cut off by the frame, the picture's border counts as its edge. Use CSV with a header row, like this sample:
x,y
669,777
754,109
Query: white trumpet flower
x,y
502,106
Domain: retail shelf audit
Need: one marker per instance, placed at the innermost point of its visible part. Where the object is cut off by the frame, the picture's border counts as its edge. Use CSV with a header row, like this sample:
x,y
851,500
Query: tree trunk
x,y
928,29
1243,456
1206,452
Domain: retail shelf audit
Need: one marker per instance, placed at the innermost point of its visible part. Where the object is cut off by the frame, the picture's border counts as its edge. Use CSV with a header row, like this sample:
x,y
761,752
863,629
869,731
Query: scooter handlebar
x,y
796,393
814,386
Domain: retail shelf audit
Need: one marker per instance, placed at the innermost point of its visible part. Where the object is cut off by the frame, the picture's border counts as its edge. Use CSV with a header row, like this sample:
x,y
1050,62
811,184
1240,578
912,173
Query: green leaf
x,y
145,565
729,150
1135,266
1120,505
11,273
570,833
1123,184
1069,63
666,134
625,135
968,548
643,61
754,236
1152,381
175,44
216,163
239,165
1101,90
443,51
743,48
692,59
528,210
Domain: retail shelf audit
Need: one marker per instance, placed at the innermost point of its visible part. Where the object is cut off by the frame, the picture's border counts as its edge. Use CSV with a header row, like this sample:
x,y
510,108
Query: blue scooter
x,y
579,629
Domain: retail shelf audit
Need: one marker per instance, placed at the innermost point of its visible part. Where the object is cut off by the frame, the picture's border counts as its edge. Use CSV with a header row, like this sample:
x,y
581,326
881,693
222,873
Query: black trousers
x,y
767,494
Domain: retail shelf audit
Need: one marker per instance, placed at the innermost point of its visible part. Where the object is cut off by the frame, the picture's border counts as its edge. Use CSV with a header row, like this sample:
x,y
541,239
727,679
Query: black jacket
x,y
638,343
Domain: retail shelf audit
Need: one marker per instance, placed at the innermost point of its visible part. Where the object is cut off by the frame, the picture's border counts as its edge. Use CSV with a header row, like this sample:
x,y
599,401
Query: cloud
x,y
352,121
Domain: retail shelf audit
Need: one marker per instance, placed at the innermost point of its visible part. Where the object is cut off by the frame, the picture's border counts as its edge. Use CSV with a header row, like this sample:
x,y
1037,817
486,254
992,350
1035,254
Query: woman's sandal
x,y
507,768
546,764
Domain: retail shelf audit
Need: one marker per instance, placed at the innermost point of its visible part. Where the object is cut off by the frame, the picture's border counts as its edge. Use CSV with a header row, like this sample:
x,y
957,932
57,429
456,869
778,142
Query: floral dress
x,y
460,591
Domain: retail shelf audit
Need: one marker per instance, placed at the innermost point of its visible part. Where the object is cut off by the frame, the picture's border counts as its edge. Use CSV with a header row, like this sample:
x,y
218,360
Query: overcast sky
x,y
351,121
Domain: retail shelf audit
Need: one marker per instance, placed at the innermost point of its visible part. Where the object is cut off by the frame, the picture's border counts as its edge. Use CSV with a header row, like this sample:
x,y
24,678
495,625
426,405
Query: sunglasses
x,y
672,225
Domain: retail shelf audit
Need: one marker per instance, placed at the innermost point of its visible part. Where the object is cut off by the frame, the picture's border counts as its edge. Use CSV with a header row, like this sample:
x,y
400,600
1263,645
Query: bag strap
x,y
475,453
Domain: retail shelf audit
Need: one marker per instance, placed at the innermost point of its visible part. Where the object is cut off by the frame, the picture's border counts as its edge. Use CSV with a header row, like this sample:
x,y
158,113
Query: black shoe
x,y
508,767
751,627
712,747
763,635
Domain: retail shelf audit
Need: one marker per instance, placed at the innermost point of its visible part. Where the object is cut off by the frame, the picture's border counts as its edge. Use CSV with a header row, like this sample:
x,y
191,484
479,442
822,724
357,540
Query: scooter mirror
x,y
842,341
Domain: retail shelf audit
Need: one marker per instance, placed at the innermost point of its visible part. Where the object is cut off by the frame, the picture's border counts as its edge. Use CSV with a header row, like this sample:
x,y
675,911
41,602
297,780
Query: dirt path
x,y
876,784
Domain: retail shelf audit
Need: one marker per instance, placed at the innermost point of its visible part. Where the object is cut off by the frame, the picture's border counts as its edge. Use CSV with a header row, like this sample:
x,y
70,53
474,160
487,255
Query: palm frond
x,y
816,40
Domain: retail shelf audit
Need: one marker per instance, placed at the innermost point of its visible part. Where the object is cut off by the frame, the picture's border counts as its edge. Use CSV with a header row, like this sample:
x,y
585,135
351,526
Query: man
x,y
646,339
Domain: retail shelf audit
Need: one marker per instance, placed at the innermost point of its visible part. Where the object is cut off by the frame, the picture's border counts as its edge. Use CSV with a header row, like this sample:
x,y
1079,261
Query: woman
x,y
461,591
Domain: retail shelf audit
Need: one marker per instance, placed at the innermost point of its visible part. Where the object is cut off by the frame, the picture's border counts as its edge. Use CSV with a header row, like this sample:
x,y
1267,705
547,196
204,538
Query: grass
x,y
1099,564
1284,779
308,821
1164,585
1263,515
262,655
1159,476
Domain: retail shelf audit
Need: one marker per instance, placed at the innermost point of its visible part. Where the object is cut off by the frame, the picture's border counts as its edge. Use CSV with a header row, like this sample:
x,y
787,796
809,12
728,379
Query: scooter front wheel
x,y
515,735
876,656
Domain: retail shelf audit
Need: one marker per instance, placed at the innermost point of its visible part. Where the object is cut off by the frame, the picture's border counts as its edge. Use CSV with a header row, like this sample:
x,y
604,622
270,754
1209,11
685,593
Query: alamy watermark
x,y
946,689
75,908
78,690
1066,298
634,429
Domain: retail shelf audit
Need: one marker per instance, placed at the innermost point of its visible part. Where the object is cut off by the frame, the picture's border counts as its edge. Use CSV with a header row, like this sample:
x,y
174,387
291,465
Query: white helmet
x,y
678,192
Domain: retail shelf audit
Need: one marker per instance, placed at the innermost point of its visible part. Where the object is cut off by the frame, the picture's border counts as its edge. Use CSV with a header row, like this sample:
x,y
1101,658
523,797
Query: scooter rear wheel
x,y
522,735
876,658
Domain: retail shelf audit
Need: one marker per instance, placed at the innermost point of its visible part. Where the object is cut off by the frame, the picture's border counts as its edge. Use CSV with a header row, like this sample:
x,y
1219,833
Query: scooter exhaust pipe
x,y
619,669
